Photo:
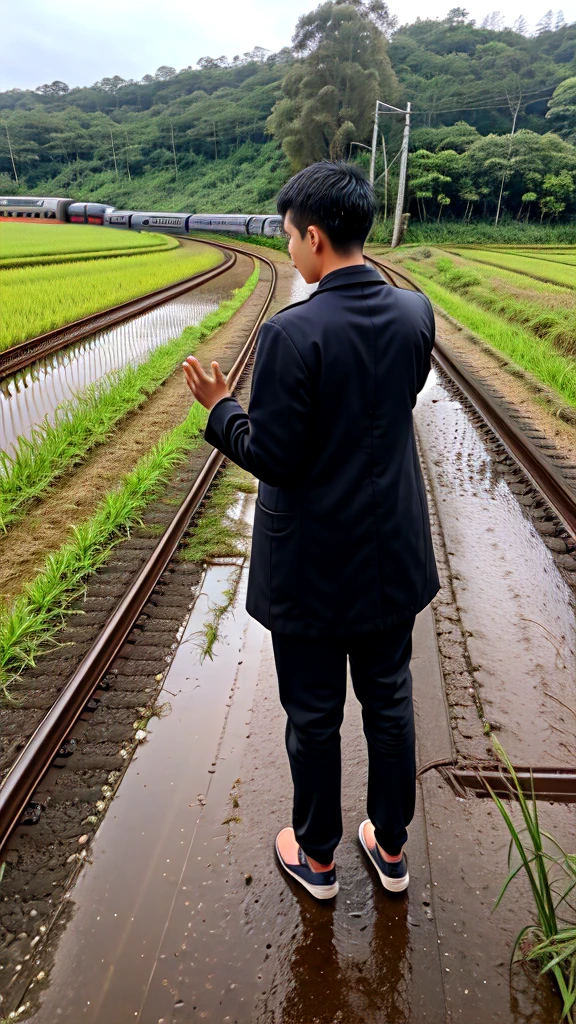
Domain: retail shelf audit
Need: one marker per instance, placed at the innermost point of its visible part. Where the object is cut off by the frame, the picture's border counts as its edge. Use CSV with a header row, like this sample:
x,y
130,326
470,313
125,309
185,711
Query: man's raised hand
x,y
206,390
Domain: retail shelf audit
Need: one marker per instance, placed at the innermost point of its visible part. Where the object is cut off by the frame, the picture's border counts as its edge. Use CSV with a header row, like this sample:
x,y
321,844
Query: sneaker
x,y
321,884
394,876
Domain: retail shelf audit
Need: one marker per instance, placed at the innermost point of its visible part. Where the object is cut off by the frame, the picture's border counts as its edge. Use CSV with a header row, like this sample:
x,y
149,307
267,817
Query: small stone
x,y
556,544
33,913
83,839
140,735
159,677
40,976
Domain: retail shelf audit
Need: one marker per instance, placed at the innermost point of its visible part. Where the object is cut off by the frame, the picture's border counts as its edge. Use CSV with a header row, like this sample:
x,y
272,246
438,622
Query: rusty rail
x,y
20,356
43,746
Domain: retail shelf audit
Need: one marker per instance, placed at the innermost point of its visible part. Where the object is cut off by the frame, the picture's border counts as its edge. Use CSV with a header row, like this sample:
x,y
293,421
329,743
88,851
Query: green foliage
x,y
562,109
38,299
329,94
551,873
454,70
507,232
28,628
469,169
90,419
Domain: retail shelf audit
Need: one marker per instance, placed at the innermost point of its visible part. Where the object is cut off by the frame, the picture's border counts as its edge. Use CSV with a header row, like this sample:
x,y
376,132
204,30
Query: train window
x,y
19,214
36,214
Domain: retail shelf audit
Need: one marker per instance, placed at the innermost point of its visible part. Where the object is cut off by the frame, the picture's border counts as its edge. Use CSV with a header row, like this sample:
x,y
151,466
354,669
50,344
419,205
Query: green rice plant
x,y
28,628
19,240
90,419
550,941
548,311
39,299
81,257
539,268
536,355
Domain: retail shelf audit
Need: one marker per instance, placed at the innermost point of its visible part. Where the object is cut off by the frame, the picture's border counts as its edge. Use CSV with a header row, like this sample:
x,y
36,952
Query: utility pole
x,y
385,155
114,153
11,154
401,181
374,142
174,149
514,111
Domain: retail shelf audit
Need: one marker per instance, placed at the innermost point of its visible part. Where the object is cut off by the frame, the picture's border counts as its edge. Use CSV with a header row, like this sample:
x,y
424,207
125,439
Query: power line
x,y
493,104
454,110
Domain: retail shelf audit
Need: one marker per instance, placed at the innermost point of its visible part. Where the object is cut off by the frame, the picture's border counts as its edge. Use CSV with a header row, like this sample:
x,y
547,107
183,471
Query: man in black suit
x,y
342,556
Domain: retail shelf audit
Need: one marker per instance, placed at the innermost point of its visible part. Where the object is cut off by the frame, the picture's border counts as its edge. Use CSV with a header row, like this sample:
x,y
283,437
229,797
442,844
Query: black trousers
x,y
312,680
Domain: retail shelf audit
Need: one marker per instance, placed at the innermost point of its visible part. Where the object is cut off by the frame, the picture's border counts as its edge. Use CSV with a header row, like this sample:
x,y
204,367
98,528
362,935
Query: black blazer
x,y
341,540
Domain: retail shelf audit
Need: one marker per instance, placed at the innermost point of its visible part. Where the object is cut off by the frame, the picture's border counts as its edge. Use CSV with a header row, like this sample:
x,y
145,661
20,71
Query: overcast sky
x,y
43,40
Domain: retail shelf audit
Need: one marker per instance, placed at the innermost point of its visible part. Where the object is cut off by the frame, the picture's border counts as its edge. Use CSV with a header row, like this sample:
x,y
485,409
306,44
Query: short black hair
x,y
337,197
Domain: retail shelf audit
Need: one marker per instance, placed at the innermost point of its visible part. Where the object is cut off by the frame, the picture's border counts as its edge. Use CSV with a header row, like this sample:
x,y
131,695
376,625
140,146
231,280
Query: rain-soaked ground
x,y
32,396
515,605
180,912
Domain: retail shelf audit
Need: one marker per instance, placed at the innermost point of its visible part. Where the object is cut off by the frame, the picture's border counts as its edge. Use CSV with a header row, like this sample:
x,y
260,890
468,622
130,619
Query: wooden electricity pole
x,y
397,233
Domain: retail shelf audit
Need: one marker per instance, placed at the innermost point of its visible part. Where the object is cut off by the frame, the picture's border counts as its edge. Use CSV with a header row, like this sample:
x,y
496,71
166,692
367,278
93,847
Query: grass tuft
x,y
216,534
550,941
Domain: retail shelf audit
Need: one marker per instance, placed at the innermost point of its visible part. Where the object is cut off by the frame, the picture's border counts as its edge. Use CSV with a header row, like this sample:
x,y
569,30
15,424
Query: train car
x,y
173,223
226,223
34,207
272,226
118,218
88,213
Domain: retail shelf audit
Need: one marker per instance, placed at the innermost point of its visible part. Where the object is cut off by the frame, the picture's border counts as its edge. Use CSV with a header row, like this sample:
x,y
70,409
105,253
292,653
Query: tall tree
x,y
562,109
330,93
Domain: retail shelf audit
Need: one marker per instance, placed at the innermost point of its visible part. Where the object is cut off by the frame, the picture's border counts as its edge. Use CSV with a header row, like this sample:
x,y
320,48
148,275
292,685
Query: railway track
x,y
20,356
551,477
49,738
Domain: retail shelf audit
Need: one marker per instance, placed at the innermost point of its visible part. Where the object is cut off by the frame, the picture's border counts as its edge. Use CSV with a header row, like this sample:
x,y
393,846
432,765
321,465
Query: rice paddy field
x,y
35,299
522,301
23,243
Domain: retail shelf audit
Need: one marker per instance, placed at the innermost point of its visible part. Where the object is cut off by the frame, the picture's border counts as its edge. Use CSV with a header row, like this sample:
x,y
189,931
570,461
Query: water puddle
x,y
155,829
31,397
516,606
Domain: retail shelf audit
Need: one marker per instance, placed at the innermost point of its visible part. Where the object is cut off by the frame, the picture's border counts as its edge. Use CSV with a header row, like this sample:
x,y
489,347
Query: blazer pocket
x,y
275,556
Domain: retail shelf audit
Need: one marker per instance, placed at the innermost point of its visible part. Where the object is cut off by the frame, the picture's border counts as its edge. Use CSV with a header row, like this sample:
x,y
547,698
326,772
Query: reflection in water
x,y
32,396
358,974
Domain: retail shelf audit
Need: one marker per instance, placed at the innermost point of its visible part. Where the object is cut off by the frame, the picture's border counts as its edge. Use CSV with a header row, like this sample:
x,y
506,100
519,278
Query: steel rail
x,y
43,746
22,355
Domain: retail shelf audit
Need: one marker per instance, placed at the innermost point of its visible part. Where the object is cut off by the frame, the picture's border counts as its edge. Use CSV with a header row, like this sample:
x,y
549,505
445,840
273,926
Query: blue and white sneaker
x,y
394,877
321,884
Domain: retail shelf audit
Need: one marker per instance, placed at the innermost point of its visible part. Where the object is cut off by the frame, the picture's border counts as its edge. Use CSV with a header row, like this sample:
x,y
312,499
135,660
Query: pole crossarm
x,y
389,107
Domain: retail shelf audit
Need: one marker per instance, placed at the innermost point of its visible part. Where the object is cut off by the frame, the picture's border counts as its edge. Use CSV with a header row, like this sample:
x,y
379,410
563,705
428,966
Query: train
x,y
72,212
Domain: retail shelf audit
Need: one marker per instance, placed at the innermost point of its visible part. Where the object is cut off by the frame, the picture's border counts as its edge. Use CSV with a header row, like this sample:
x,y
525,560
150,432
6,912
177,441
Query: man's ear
x,y
315,239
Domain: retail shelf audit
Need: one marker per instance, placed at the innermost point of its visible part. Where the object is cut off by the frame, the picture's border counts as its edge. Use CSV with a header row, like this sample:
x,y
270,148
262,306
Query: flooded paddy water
x,y
32,397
